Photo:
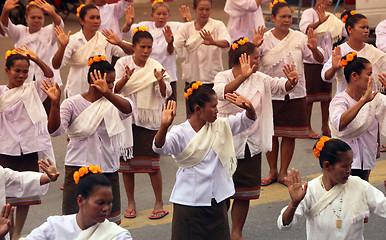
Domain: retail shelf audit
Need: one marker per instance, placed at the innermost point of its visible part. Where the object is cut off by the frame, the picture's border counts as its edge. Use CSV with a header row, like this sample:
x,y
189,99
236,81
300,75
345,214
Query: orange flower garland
x,y
84,171
30,3
141,29
189,91
97,58
9,53
344,18
239,43
348,58
157,1
78,10
319,145
276,2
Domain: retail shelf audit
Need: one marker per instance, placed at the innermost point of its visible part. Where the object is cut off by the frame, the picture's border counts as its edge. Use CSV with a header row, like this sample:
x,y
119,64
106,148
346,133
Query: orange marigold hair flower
x,y
235,46
351,13
30,3
157,1
319,145
239,43
9,53
78,10
190,90
348,58
97,58
140,29
276,2
84,171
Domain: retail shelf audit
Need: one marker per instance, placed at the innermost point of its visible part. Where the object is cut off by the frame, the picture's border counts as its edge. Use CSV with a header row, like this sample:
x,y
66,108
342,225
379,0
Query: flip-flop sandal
x,y
130,213
313,135
382,148
155,216
267,181
282,182
327,134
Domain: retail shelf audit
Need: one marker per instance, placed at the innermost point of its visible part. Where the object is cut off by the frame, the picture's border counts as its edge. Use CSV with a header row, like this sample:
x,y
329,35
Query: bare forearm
x,y
126,47
170,48
54,117
330,73
350,114
120,84
162,87
126,28
318,56
44,179
160,136
313,25
289,213
122,104
48,73
233,85
58,57
221,43
56,19
4,18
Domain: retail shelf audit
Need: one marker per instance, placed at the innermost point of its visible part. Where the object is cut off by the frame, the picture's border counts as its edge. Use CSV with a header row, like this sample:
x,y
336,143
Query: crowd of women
x,y
120,100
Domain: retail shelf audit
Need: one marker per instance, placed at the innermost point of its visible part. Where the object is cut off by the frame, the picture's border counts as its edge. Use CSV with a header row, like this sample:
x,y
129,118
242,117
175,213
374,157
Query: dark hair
x,y
356,65
330,151
195,2
351,19
90,182
140,34
31,6
234,55
199,96
13,58
159,4
102,66
85,9
279,6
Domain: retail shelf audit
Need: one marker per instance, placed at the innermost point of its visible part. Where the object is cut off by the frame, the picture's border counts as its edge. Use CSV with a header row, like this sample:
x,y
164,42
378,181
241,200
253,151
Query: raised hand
x,y
258,37
336,57
185,13
291,74
239,100
207,37
382,79
369,94
9,5
128,72
312,40
6,218
159,75
168,113
321,11
99,82
245,64
49,168
63,39
167,31
295,188
52,90
111,37
130,16
46,7
27,53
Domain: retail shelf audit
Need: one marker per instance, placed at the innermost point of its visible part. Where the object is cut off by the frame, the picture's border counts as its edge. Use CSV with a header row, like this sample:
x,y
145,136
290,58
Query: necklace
x,y
337,213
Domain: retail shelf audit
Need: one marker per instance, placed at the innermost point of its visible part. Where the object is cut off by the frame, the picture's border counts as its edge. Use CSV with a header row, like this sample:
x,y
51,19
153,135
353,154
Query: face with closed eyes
x,y
97,206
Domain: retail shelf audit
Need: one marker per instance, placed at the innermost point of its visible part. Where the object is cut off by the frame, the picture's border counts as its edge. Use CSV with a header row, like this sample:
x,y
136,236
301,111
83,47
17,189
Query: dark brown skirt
x,y
247,178
289,117
25,162
201,223
144,159
317,89
70,204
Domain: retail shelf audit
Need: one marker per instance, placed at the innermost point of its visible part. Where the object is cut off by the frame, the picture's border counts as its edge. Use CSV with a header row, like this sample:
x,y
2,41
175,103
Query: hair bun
x,y
239,42
190,90
97,58
319,145
347,15
10,53
351,56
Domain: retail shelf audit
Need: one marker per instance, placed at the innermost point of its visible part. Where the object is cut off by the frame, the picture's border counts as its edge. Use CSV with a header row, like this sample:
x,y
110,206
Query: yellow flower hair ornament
x,y
9,53
351,13
156,1
97,58
240,42
30,3
190,90
84,171
348,58
319,145
276,2
140,29
78,10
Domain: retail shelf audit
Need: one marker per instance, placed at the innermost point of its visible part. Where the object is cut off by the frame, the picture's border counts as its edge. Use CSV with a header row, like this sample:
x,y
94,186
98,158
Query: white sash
x,y
141,82
95,46
195,40
33,105
217,136
106,231
89,120
332,26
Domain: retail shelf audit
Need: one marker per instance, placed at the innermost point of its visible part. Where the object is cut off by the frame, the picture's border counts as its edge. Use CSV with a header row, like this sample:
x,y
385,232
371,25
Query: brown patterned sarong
x,y
317,89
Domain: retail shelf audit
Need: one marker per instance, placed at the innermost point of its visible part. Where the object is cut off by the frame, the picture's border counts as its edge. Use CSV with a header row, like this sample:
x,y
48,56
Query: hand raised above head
x,y
185,13
98,82
27,53
258,37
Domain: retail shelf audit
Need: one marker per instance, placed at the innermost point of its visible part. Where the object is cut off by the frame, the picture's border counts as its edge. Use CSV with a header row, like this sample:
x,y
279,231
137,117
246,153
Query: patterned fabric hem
x,y
320,97
35,200
115,217
291,132
247,193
